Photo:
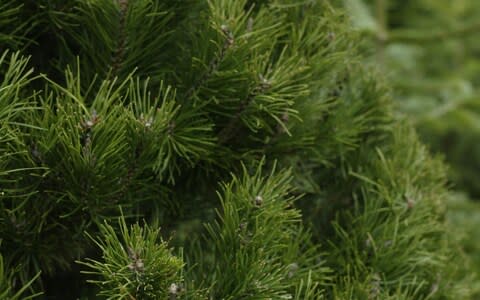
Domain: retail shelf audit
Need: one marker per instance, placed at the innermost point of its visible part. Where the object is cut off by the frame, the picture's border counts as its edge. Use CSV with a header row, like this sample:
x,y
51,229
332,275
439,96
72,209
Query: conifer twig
x,y
120,50
226,133
126,183
214,63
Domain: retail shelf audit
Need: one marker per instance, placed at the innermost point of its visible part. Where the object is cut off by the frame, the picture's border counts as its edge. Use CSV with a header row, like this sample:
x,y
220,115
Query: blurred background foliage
x,y
430,52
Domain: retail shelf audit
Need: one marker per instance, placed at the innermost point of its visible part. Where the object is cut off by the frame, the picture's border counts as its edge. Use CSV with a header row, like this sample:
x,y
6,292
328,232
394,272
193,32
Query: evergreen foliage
x,y
7,279
429,50
463,216
135,265
263,160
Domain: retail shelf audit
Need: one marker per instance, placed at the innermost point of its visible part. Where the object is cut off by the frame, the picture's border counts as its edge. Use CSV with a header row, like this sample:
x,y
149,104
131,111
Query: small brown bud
x,y
228,34
137,265
225,29
264,83
132,254
173,289
410,203
258,200
292,269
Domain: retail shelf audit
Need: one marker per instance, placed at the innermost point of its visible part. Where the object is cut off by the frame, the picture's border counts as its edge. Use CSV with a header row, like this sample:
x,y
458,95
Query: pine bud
x,y
375,286
173,289
87,124
258,200
224,28
137,266
410,203
292,269
264,83
228,34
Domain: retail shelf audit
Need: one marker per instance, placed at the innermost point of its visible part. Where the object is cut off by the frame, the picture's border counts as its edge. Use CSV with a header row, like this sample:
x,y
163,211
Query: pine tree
x,y
209,150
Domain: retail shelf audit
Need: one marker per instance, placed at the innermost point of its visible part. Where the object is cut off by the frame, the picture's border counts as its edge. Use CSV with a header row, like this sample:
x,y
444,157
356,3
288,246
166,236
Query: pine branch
x,y
119,52
12,28
166,133
230,129
136,264
127,182
16,77
108,144
116,38
214,63
9,288
258,241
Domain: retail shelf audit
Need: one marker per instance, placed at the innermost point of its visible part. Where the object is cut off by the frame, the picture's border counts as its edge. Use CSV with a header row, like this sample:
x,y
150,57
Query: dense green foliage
x,y
210,150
